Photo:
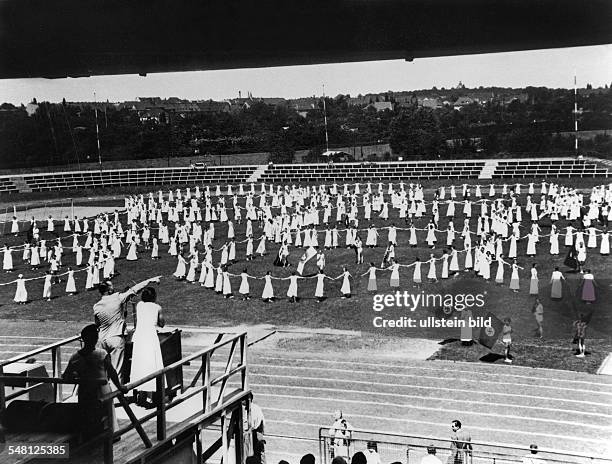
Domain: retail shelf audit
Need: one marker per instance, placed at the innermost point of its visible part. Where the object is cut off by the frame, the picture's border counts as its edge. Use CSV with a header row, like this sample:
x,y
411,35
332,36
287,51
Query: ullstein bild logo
x,y
412,301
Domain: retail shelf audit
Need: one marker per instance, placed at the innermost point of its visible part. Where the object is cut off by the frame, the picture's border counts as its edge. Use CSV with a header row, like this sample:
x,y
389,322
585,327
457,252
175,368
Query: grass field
x,y
190,304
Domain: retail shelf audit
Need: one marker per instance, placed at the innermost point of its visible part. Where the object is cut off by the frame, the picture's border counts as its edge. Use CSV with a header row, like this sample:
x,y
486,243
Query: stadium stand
x,y
306,173
159,176
378,171
566,167
7,186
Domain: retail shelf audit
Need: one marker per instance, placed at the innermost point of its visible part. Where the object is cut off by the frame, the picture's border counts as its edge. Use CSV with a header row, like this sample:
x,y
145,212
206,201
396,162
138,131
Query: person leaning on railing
x,y
461,446
92,368
340,434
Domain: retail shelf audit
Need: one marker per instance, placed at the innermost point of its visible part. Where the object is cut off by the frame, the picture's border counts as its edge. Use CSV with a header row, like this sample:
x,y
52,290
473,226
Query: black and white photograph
x,y
319,232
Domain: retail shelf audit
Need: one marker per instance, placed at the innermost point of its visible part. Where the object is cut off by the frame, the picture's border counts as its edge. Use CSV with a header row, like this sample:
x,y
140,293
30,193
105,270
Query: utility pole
x,y
97,133
575,116
325,119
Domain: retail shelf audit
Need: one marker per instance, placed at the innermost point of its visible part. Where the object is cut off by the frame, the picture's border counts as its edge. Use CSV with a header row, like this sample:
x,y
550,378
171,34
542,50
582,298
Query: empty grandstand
x,y
394,171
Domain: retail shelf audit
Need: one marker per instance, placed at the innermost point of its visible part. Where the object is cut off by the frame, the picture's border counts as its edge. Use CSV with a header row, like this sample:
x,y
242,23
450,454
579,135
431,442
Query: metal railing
x,y
409,449
216,397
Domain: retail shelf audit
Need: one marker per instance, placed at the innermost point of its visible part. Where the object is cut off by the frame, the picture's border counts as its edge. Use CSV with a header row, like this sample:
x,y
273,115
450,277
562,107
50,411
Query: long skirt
x,y
534,287
556,289
372,285
588,291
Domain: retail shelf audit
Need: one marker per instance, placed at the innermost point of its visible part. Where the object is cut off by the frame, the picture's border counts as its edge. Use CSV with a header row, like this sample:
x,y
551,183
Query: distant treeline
x,y
60,134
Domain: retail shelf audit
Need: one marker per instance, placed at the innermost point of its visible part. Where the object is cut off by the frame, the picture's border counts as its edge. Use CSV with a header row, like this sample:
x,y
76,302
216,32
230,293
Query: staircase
x,y
254,178
488,170
21,184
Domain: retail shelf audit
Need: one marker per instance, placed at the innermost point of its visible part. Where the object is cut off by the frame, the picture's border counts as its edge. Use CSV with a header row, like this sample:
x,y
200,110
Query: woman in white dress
x,y
394,268
592,240
499,276
431,274
268,291
445,265
431,235
209,281
320,288
514,277
193,266
371,272
181,268
146,351
47,286
531,244
556,284
70,283
7,261
604,247
21,294
227,284
554,242
534,282
132,256
244,289
346,283
292,292
15,226
416,274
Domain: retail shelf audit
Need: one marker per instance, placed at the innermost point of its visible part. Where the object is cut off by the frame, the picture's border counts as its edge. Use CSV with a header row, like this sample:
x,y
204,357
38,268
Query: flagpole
x,y
575,116
325,119
97,133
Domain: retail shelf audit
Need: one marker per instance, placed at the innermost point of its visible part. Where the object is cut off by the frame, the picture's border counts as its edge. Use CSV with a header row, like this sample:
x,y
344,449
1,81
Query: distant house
x,y
462,101
276,102
211,106
155,115
303,106
380,106
433,103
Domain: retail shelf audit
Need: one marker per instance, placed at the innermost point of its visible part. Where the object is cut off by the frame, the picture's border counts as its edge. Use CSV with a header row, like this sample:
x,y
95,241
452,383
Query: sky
x,y
550,68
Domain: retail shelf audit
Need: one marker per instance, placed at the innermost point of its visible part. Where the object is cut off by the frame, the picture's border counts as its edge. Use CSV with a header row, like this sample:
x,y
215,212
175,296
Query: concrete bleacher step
x,y
21,184
488,169
257,173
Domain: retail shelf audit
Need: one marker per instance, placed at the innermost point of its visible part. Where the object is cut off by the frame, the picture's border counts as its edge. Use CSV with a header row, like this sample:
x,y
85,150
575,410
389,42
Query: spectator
x,y
580,326
92,368
371,453
461,446
340,434
256,424
538,312
431,456
531,457
507,339
109,316
359,458
146,351
307,459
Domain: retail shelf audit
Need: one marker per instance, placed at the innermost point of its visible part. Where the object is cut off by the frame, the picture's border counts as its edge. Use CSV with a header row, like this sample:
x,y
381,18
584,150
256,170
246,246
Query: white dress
x,y
320,290
146,352
293,287
132,256
346,284
21,294
244,284
268,291
604,248
70,284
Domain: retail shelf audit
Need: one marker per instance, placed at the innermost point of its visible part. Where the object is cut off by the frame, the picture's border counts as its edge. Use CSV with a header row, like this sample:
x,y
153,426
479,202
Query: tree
x,y
416,132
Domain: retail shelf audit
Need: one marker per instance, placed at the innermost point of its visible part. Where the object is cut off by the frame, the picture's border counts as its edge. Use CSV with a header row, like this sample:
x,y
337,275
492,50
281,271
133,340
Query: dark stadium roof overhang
x,y
60,38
